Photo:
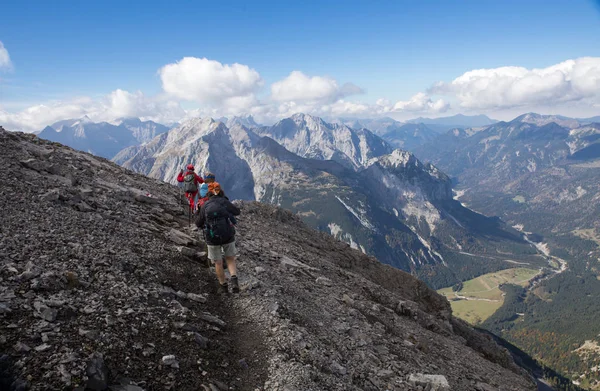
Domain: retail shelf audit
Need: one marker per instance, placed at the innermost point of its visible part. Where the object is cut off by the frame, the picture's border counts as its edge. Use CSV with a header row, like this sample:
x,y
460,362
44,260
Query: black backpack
x,y
218,227
189,183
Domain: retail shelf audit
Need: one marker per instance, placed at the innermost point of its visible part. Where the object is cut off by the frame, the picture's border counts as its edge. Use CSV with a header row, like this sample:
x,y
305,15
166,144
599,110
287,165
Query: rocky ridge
x,y
103,285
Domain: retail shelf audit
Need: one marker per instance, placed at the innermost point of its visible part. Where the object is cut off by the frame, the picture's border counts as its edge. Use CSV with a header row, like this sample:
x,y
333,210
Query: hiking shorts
x,y
216,253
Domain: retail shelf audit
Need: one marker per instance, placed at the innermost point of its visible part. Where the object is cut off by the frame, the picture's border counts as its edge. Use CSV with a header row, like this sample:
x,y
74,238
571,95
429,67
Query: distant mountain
x,y
540,120
246,120
102,139
392,206
379,126
409,136
312,137
455,121
589,120
398,134
143,131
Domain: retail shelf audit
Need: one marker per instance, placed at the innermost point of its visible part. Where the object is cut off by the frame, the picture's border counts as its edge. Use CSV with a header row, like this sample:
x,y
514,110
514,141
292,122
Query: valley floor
x,y
480,297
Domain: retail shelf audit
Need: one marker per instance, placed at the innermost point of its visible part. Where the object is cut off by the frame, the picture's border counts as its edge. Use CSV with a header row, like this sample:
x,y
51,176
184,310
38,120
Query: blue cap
x,y
203,190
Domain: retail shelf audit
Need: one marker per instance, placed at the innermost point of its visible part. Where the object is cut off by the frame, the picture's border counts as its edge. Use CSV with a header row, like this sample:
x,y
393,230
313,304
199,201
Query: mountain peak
x,y
543,119
244,120
398,158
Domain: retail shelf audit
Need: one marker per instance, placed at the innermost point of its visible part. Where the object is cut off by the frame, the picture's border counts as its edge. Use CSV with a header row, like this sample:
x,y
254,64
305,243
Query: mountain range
x,y
102,139
540,174
349,183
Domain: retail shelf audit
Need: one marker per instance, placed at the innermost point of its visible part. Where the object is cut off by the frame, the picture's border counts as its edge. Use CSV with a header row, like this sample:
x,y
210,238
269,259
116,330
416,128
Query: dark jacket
x,y
216,213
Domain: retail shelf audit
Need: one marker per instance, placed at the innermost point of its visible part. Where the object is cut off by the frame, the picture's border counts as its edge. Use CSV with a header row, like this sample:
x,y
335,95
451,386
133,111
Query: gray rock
x,y
201,341
323,281
179,237
196,297
429,382
42,347
144,199
127,387
97,374
480,386
207,317
52,195
337,368
222,386
170,361
259,269
49,314
4,309
20,347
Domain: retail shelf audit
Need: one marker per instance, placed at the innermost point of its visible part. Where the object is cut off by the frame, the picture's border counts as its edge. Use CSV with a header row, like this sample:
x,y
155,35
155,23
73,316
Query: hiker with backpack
x,y
190,180
209,178
214,219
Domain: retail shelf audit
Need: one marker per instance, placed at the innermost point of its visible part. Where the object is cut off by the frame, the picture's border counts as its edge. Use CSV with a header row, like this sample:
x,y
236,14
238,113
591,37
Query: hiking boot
x,y
235,287
223,289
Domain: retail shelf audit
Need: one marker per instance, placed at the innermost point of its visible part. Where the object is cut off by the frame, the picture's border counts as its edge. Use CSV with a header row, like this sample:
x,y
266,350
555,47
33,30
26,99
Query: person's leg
x,y
194,200
230,252
220,271
189,198
216,256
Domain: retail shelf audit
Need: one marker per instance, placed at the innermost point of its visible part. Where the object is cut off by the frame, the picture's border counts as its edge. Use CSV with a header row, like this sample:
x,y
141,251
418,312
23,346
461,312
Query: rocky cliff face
x,y
102,284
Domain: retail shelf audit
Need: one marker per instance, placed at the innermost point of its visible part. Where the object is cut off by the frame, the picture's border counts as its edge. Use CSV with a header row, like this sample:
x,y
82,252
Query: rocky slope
x,y
102,284
394,207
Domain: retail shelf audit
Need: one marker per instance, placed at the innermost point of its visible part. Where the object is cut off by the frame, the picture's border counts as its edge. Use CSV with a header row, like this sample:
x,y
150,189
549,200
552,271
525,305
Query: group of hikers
x,y
215,216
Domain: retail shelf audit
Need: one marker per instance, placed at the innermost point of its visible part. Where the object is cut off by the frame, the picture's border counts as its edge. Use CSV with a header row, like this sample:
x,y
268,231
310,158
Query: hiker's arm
x,y
199,178
180,176
234,210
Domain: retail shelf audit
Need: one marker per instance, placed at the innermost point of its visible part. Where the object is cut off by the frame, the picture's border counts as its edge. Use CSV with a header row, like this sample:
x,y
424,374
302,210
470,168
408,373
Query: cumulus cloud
x,y
421,102
207,81
508,87
298,87
119,103
5,62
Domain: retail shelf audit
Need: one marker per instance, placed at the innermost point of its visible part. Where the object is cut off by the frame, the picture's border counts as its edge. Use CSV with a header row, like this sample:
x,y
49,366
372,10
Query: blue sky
x,y
61,50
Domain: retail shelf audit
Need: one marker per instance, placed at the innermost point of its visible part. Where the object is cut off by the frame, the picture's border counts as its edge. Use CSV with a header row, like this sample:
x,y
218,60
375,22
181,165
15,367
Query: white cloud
x,y
506,87
208,82
421,102
298,87
118,103
5,62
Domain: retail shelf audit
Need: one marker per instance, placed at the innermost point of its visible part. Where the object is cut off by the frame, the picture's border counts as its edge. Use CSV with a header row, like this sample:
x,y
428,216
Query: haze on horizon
x,y
353,59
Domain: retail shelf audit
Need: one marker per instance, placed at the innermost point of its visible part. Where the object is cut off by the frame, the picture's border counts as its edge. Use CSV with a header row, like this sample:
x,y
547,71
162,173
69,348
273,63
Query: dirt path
x,y
237,356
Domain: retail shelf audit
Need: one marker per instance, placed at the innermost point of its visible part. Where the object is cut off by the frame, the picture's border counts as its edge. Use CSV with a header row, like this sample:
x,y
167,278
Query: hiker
x,y
203,195
214,218
209,178
190,180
